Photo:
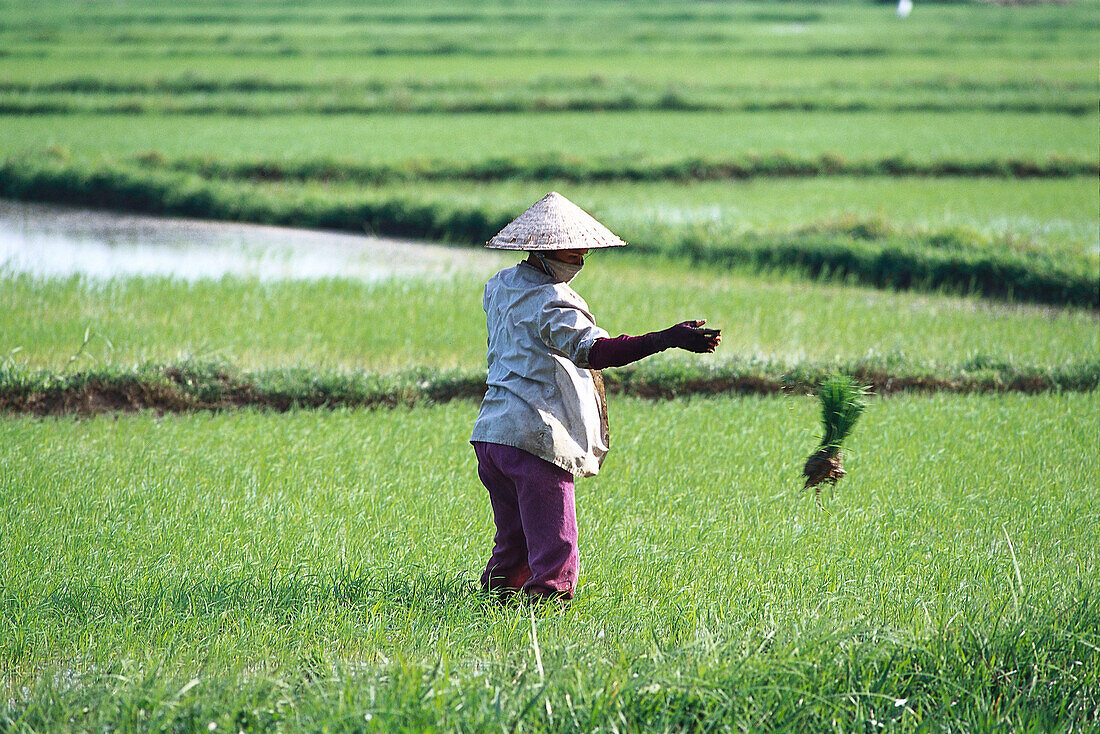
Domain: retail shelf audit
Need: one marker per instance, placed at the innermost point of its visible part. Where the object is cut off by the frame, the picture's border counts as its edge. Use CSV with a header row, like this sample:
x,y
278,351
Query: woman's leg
x,y
547,510
507,569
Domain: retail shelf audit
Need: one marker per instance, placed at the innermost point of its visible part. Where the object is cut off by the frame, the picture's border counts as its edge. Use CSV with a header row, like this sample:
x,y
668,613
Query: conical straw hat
x,y
554,223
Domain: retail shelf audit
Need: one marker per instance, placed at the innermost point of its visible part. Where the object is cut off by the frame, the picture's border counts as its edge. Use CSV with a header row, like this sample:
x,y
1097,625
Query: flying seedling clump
x,y
841,404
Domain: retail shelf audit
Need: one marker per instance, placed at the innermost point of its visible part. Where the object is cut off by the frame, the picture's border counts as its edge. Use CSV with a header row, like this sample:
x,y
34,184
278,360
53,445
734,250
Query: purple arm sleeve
x,y
624,349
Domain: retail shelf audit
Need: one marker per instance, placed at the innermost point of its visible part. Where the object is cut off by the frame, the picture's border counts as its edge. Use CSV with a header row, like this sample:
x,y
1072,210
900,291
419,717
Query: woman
x,y
544,417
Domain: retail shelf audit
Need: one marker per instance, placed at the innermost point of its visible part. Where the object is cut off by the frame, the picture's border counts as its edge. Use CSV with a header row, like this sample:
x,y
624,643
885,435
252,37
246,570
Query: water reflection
x,y
52,241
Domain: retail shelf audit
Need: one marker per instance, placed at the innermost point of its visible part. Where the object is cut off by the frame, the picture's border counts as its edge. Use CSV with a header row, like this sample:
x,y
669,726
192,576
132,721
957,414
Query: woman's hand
x,y
691,336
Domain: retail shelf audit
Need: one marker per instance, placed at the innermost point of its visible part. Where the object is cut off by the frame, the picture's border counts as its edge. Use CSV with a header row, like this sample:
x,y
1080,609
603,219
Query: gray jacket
x,y
541,396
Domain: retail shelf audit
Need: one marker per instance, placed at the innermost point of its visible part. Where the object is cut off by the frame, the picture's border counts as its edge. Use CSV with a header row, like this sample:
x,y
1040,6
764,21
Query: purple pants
x,y
535,548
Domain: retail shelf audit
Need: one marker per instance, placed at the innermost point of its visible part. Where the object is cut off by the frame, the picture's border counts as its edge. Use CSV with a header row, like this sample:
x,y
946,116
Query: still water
x,y
52,241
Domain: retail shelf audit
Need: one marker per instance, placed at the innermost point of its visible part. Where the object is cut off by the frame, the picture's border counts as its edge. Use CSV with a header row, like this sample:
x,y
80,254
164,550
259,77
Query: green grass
x,y
1043,213
349,30
397,324
959,88
638,135
764,72
1049,215
315,569
870,252
834,54
255,96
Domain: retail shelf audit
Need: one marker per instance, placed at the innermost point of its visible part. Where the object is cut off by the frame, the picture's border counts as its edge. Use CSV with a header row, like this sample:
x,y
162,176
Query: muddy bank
x,y
193,387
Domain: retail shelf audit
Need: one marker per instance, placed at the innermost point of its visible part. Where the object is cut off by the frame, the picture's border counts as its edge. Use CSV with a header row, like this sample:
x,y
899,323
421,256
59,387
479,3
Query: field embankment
x,y
190,386
576,170
253,96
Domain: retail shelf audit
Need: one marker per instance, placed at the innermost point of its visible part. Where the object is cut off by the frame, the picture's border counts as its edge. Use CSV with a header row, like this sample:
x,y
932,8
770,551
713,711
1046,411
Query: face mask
x,y
559,271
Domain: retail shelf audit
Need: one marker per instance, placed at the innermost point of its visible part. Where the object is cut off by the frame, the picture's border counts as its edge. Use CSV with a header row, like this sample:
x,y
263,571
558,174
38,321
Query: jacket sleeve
x,y
622,350
568,329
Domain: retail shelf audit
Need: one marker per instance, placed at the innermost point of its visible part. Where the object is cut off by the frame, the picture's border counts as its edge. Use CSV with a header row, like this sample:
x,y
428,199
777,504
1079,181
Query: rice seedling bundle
x,y
841,405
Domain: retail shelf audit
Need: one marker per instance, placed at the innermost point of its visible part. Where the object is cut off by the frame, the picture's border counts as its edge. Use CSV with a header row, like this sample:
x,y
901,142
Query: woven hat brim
x,y
554,223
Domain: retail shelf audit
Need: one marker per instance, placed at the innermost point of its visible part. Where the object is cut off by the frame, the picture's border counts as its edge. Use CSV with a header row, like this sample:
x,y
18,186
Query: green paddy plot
x,y
397,324
350,30
396,137
1052,215
436,121
625,70
804,78
316,570
1002,264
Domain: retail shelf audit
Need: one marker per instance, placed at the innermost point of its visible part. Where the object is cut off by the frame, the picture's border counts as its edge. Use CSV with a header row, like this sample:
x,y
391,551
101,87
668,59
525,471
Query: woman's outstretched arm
x,y
623,350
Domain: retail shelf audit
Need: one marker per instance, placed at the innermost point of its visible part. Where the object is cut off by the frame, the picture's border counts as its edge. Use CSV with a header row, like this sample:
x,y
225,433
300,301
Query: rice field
x,y
346,324
482,96
342,30
827,183
660,135
313,570
1051,215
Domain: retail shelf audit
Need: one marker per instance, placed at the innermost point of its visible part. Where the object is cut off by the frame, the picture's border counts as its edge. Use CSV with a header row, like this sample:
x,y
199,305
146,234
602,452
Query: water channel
x,y
45,240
